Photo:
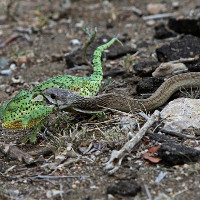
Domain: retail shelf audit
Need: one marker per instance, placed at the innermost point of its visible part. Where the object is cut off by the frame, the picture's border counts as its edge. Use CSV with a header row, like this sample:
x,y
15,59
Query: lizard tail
x,y
97,75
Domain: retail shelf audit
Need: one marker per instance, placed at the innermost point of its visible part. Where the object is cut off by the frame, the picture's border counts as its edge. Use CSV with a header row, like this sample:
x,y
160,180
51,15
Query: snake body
x,y
71,99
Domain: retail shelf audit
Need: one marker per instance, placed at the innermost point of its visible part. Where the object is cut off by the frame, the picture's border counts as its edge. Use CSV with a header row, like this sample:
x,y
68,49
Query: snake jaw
x,y
62,100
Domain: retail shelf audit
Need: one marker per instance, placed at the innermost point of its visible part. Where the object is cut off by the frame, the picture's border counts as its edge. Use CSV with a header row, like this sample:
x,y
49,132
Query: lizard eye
x,y
53,96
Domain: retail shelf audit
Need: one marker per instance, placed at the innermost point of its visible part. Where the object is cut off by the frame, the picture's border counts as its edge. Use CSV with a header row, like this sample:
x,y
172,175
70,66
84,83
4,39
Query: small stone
x,y
175,4
74,186
93,187
185,166
30,55
128,25
150,22
6,72
13,66
74,42
69,148
79,24
155,8
23,66
166,69
21,59
53,193
110,197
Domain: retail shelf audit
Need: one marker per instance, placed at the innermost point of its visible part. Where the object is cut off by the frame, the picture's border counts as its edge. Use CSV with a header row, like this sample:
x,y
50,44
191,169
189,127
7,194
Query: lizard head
x,y
14,113
62,98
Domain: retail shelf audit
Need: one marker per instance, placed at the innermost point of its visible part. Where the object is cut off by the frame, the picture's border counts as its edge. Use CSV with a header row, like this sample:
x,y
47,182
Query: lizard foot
x,y
32,137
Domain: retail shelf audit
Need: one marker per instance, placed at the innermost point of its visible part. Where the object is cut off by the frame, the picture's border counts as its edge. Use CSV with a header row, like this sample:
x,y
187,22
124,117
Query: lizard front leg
x,y
35,119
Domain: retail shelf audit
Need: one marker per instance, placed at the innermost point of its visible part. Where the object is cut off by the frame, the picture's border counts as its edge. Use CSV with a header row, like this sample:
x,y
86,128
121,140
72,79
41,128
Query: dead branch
x,y
117,156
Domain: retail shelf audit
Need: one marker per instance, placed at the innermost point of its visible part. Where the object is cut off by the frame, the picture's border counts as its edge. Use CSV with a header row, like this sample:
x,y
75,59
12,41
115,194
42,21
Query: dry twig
x,y
117,156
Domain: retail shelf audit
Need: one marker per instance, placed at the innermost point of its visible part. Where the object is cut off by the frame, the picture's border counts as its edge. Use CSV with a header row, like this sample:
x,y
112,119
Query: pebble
x,y
22,59
74,42
79,24
13,66
74,186
156,8
166,69
175,4
25,58
150,22
6,72
110,197
53,193
128,25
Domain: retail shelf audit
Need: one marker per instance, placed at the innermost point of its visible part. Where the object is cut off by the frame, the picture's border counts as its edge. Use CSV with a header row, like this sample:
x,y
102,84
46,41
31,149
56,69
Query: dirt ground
x,y
72,149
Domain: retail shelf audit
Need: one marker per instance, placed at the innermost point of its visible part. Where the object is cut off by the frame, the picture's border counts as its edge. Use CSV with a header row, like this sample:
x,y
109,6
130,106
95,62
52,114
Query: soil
x,y
67,161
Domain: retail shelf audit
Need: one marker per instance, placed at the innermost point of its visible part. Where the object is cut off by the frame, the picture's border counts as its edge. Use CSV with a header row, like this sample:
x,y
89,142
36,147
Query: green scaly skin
x,y
28,108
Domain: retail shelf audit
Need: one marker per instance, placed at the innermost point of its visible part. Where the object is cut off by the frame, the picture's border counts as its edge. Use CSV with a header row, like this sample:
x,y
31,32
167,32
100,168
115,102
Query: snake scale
x,y
72,100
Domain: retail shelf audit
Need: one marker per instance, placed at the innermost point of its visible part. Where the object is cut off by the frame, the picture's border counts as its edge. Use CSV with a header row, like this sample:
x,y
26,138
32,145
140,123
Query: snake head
x,y
62,98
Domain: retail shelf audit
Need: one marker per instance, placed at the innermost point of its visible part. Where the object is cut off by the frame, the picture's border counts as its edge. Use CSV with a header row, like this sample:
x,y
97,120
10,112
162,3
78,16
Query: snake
x,y
68,99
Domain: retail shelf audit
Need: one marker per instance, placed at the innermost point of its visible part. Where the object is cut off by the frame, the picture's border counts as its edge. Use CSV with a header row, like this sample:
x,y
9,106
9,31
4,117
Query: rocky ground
x,y
42,39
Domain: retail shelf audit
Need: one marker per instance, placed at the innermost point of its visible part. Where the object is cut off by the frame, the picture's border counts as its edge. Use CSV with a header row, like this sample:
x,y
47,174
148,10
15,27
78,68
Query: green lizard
x,y
28,108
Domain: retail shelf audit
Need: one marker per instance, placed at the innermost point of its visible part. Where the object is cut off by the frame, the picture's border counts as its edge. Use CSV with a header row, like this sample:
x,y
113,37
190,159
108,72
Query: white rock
x,y
110,197
74,42
150,22
155,8
6,72
13,66
79,24
53,193
175,4
166,69
181,114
